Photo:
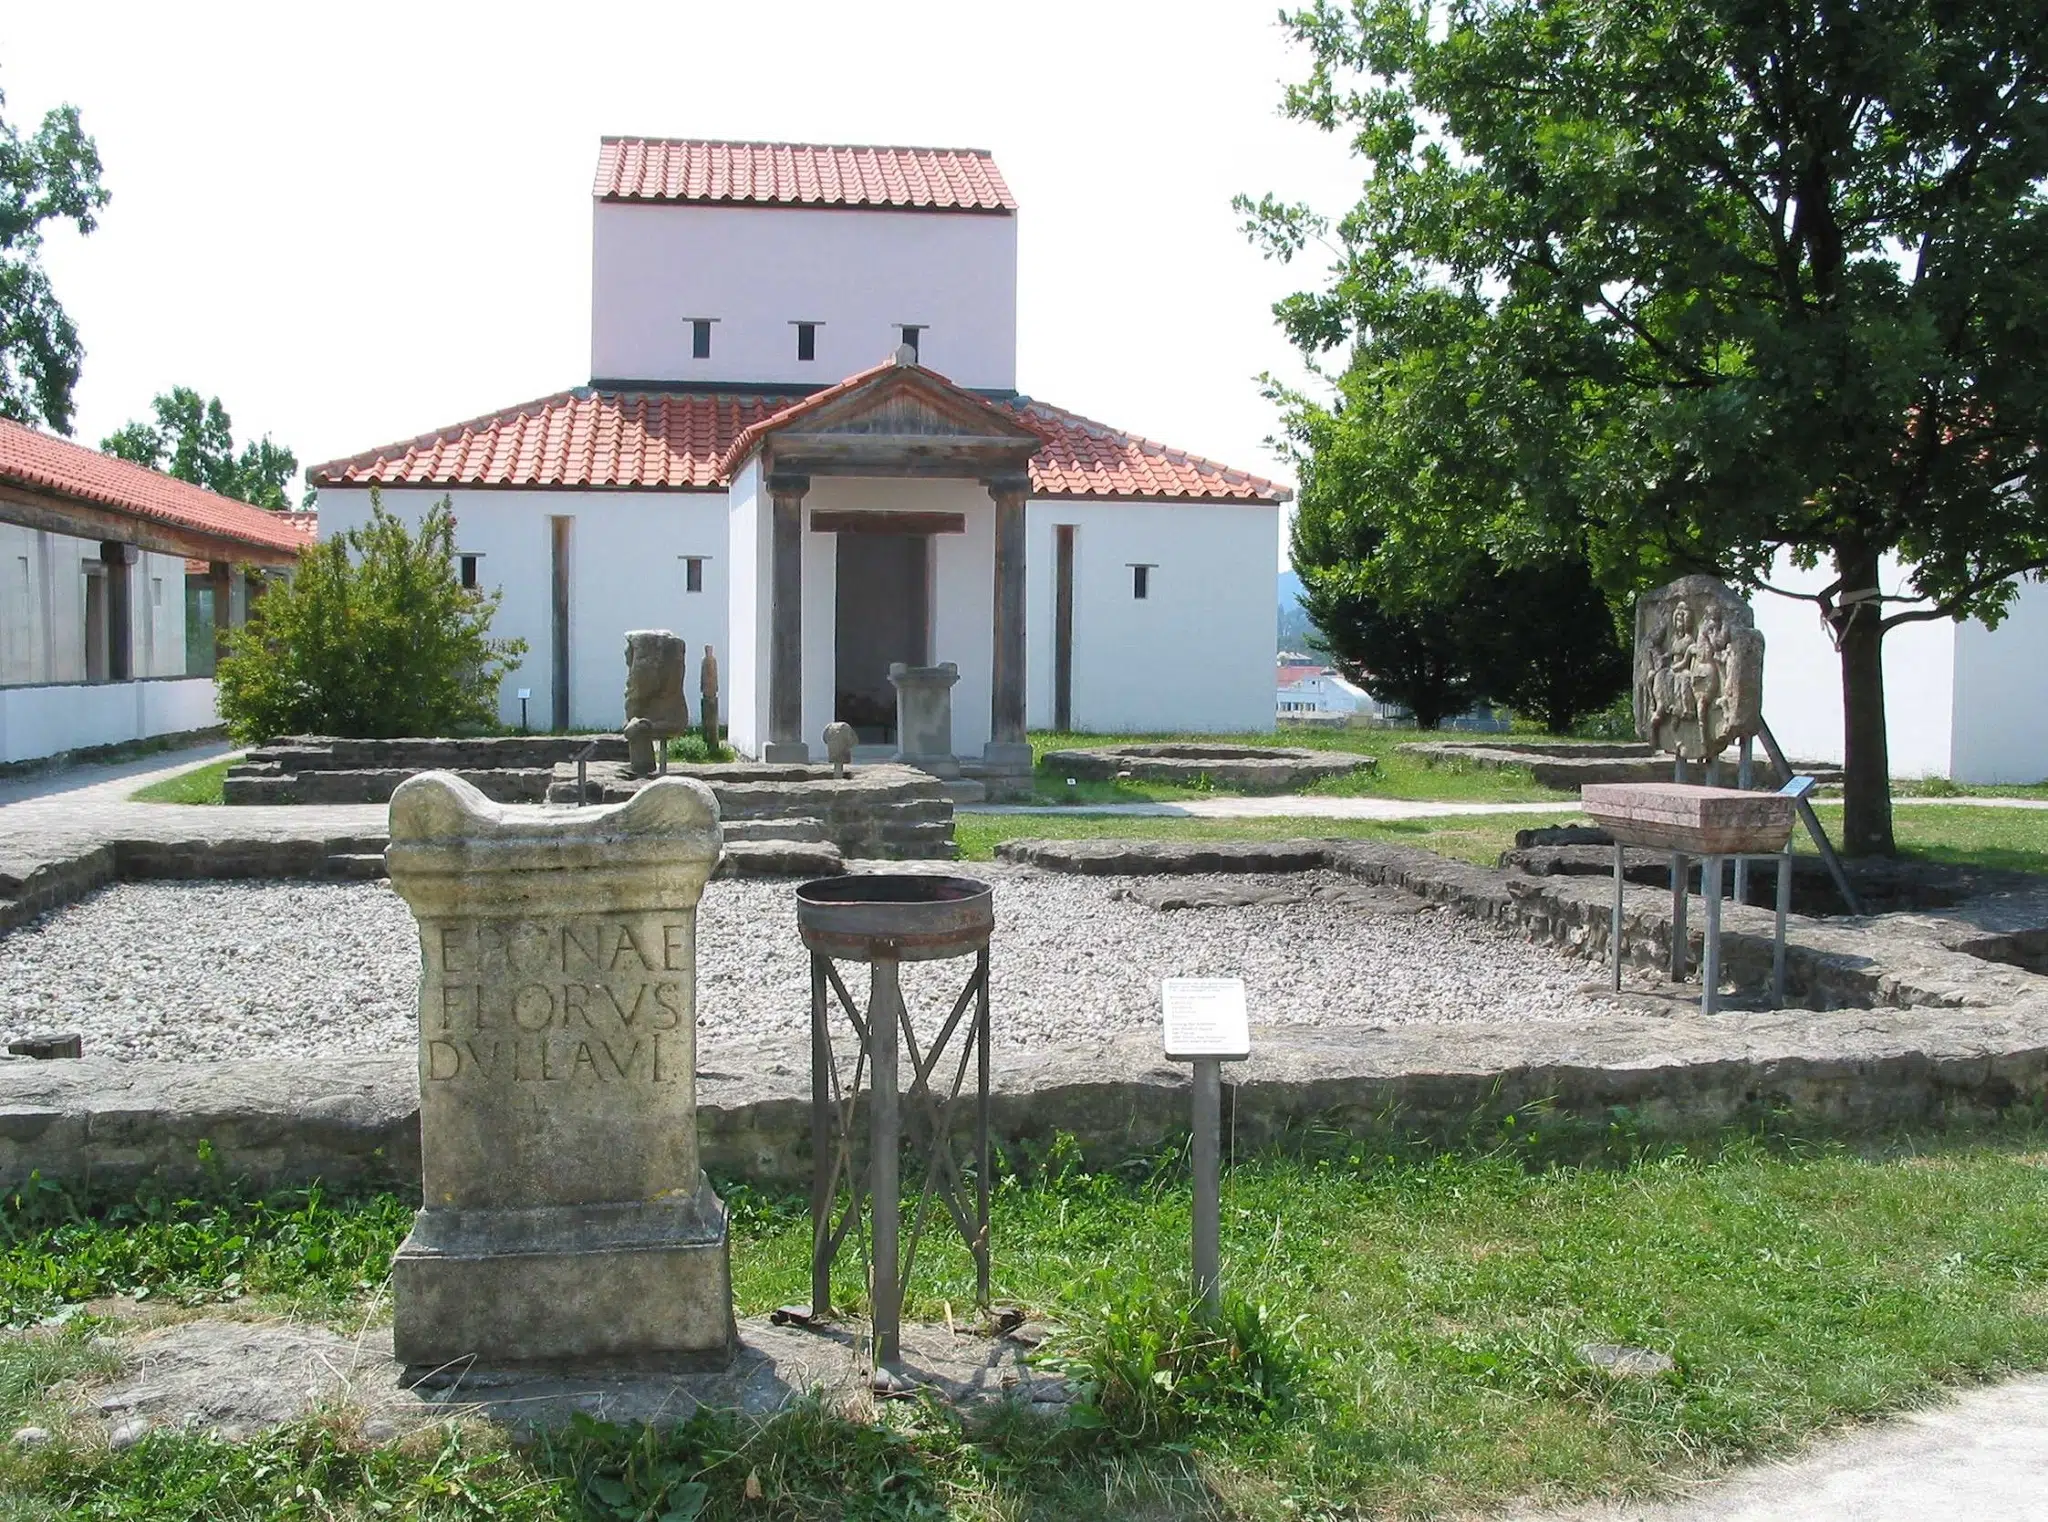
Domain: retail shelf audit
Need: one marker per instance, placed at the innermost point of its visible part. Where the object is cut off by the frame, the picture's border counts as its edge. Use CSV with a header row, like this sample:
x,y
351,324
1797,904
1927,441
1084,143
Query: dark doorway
x,y
1063,628
882,614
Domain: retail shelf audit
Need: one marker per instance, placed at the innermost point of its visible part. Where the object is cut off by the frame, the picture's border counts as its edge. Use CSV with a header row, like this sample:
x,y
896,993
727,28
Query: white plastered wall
x,y
2001,694
1196,654
758,270
626,556
1803,677
42,609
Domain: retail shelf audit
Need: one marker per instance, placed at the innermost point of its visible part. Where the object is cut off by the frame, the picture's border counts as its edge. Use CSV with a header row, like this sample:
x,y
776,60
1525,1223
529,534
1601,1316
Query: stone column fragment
x,y
564,1218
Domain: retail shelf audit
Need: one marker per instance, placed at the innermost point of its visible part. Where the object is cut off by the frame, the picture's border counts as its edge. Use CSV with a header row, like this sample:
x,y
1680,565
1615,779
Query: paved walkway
x,y
1982,1457
60,813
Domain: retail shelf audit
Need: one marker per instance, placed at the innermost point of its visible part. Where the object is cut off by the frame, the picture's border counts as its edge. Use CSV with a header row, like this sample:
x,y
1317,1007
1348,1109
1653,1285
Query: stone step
x,y
780,858
773,829
357,866
967,790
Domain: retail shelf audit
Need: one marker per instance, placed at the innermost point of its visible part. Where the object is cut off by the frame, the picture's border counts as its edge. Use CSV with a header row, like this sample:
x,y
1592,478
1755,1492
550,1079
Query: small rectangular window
x,y
469,571
693,573
910,333
700,338
1141,581
156,591
806,341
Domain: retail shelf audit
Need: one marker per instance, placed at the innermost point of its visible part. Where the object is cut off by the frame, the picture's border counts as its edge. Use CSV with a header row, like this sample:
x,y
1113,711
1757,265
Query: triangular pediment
x,y
898,418
907,401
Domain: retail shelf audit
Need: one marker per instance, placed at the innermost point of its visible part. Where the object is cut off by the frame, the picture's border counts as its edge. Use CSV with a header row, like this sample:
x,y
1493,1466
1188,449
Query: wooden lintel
x,y
900,454
885,522
85,520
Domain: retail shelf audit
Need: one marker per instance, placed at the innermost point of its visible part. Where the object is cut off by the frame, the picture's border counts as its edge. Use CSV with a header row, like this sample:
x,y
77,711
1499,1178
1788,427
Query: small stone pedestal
x,y
565,1222
924,717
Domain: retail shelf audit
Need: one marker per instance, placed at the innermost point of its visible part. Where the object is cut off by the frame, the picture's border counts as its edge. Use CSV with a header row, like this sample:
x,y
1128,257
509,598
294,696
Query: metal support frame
x,y
1208,1167
1811,820
873,1182
1710,961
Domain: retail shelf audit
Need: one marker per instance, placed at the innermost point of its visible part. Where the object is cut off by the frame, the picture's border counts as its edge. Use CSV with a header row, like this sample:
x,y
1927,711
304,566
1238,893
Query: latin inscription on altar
x,y
587,999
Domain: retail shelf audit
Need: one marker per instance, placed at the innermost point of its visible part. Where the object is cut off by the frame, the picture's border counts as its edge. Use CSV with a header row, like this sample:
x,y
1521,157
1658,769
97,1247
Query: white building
x,y
1307,691
1961,701
115,582
741,470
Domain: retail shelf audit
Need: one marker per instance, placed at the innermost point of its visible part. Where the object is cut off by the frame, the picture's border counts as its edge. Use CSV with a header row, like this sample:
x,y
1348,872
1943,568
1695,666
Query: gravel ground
x,y
233,970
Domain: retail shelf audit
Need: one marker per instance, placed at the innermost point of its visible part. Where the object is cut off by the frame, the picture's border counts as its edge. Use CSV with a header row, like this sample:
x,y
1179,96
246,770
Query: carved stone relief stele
x,y
1699,677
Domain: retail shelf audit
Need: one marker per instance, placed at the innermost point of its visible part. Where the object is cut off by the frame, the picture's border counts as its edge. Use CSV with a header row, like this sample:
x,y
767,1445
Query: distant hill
x,y
1294,625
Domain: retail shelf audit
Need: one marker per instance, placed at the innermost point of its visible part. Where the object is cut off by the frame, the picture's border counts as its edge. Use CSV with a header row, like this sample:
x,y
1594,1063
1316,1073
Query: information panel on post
x,y
1205,1020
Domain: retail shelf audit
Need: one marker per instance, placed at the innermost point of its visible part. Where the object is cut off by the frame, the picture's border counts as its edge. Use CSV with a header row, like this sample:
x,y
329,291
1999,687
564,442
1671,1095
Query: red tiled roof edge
x,y
1242,484
682,440
35,460
711,171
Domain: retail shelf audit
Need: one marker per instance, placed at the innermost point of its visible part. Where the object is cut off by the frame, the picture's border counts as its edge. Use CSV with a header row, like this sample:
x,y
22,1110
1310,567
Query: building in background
x,y
1961,701
803,443
1311,692
115,583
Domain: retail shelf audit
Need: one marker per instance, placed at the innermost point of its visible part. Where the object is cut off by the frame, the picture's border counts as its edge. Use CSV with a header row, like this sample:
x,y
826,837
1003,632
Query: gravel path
x,y
222,971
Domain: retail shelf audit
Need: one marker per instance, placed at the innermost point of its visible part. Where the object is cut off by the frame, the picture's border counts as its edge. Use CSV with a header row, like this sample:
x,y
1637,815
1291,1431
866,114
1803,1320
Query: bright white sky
x,y
355,223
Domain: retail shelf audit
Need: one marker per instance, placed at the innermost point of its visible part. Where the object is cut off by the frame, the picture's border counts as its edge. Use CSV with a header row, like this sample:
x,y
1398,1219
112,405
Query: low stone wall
x,y
873,812
1248,768
66,879
320,769
1570,765
111,1123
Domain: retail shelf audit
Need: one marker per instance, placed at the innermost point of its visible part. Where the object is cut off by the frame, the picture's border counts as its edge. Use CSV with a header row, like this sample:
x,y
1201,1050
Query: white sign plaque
x,y
525,693
1205,1019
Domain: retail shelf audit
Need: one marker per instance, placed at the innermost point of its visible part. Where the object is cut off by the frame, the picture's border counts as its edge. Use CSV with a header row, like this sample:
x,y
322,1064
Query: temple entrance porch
x,y
883,522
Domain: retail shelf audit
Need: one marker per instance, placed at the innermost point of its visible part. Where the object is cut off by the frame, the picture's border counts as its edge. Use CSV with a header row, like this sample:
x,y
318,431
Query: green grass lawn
x,y
1478,838
201,785
1416,1339
2016,839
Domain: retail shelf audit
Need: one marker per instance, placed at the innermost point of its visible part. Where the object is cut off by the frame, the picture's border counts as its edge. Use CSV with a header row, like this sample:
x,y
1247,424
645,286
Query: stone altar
x,y
656,708
1699,668
564,1218
924,716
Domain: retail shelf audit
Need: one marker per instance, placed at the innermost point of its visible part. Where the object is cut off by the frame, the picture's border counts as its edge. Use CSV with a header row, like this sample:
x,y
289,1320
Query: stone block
x,y
1681,816
564,1220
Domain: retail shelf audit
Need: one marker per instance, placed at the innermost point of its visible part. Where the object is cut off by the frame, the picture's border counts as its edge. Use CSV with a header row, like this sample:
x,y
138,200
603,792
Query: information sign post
x,y
1206,1024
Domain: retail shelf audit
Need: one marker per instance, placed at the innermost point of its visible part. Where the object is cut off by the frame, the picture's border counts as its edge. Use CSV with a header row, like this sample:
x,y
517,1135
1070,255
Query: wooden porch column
x,y
786,621
1008,751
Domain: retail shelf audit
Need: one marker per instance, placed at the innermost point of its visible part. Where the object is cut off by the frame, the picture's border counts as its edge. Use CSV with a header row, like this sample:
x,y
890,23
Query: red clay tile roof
x,y
799,174
41,463
679,440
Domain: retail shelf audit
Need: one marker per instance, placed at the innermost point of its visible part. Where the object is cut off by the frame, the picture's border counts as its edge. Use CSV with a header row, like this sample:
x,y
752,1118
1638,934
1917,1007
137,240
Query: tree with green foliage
x,y
53,176
1690,283
193,439
1539,638
372,636
1546,643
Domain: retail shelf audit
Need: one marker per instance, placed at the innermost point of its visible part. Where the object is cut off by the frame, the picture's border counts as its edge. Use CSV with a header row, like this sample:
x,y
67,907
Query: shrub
x,y
1157,1366
372,636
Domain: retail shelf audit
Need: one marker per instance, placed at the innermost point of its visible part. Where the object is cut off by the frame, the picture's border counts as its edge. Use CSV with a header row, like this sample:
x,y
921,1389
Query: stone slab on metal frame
x,y
565,1221
1682,816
